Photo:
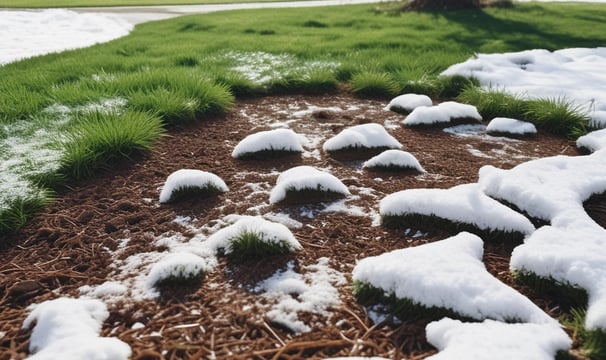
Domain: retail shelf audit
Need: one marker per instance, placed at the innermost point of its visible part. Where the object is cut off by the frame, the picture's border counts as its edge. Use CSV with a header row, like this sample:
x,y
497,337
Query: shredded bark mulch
x,y
74,242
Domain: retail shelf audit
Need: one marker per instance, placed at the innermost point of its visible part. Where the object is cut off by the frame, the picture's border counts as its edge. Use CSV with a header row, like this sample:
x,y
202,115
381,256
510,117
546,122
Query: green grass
x,y
193,192
556,116
103,138
21,211
250,245
89,3
188,68
428,222
593,341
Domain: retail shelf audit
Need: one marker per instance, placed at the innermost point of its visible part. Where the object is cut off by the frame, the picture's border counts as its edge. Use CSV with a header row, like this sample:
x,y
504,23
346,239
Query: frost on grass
x,y
394,160
443,114
359,137
253,237
493,340
67,328
177,268
507,126
271,143
186,183
463,206
448,274
292,293
571,250
593,141
262,68
311,184
406,103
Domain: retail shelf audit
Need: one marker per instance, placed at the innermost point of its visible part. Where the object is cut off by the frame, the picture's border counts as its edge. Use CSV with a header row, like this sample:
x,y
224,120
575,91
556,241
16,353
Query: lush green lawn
x,y
186,68
91,3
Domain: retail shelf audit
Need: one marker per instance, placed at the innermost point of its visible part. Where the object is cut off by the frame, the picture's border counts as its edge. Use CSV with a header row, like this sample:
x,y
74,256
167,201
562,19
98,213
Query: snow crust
x,y
493,340
576,74
305,177
593,141
448,274
267,231
396,158
187,178
68,328
408,102
278,139
369,135
442,113
293,293
510,126
571,249
30,33
464,203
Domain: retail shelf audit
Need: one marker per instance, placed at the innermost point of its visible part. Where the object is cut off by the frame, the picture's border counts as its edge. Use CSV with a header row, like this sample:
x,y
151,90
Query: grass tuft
x,y
568,295
20,211
374,84
250,245
429,222
310,195
558,117
357,152
593,341
452,86
494,103
194,192
268,154
102,138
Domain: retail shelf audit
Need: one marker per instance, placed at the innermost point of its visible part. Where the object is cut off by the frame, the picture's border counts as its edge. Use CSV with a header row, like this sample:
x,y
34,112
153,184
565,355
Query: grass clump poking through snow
x,y
558,117
568,296
189,183
178,269
360,141
102,138
593,341
494,103
252,238
374,84
306,184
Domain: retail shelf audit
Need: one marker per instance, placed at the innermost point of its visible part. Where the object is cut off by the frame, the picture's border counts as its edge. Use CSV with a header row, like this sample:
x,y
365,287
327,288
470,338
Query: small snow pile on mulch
x,y
501,126
364,136
186,180
592,142
444,113
404,104
306,178
394,160
278,141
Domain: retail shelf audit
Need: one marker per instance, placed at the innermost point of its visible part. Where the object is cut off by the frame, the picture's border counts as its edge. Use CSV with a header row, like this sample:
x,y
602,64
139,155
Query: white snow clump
x,y
463,203
272,140
69,329
396,159
493,340
267,231
189,178
408,102
502,125
305,177
593,141
442,113
448,274
369,135
180,265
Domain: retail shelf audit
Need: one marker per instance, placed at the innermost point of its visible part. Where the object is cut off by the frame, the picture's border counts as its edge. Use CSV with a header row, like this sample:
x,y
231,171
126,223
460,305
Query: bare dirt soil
x,y
72,244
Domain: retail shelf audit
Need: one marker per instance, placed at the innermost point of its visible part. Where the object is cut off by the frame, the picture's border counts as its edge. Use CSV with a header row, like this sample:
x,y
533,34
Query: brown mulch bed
x,y
72,243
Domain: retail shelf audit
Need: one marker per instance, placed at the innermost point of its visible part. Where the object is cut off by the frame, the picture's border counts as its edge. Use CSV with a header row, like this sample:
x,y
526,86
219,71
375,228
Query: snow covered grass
x,y
269,144
394,160
360,140
442,277
253,238
306,184
102,138
177,269
461,208
445,113
190,183
501,126
406,103
592,142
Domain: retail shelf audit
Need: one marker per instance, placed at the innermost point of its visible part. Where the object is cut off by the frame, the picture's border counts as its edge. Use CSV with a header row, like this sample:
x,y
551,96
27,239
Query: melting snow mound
x,y
69,329
443,113
278,140
448,274
177,266
592,142
493,340
408,102
362,136
503,126
189,179
394,159
302,178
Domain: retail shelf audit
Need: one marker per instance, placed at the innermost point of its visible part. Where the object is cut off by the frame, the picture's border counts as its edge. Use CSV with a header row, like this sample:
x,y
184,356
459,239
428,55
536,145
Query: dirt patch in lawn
x,y
100,222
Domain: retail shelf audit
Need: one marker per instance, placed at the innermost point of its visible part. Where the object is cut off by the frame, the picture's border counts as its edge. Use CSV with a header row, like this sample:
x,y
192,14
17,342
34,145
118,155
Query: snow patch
x,y
189,178
271,140
408,102
305,177
362,136
442,113
394,158
594,141
510,126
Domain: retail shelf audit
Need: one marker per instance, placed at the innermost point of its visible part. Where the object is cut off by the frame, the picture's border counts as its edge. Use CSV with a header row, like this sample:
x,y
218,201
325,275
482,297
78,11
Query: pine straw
x,y
67,246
